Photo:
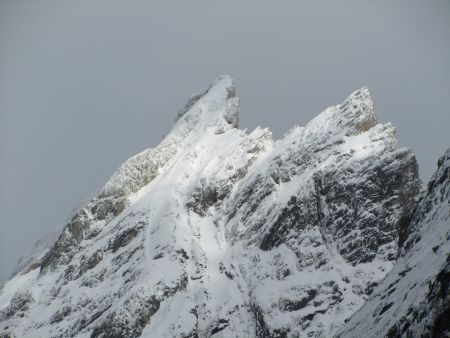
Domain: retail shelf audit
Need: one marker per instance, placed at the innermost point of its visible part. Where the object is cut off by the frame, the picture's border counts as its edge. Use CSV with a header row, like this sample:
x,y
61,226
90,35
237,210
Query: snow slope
x,y
225,233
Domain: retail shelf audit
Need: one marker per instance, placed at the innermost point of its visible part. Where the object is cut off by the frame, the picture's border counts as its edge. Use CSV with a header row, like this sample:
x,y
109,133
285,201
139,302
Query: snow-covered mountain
x,y
225,233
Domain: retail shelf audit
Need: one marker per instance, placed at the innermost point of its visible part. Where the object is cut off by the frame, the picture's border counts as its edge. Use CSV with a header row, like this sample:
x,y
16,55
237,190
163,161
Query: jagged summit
x,y
215,107
219,232
358,110
217,101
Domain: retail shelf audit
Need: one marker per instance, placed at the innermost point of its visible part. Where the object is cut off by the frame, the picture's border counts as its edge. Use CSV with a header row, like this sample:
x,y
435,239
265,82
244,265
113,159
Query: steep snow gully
x,y
227,233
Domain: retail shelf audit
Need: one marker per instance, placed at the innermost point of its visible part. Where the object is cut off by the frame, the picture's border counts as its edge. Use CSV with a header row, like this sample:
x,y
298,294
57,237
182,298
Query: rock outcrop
x,y
414,298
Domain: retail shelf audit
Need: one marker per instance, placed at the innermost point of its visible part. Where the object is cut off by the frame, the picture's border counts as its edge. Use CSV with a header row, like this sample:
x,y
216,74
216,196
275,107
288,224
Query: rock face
x,y
414,298
219,232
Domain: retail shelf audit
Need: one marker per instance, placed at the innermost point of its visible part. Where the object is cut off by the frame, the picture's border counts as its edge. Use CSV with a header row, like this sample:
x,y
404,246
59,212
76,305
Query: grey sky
x,y
84,86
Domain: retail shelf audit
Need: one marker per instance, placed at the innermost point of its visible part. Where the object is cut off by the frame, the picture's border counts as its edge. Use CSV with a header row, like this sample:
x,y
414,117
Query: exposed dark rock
x,y
295,305
203,197
59,315
123,238
220,325
294,217
18,305
117,324
262,329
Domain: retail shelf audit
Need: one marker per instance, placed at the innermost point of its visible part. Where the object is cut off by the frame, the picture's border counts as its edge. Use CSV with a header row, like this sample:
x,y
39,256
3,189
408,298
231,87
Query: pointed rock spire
x,y
217,100
214,106
357,111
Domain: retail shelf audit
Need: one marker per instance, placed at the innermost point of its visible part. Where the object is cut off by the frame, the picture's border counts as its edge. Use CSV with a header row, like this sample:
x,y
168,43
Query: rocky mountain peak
x,y
354,116
215,107
358,110
214,104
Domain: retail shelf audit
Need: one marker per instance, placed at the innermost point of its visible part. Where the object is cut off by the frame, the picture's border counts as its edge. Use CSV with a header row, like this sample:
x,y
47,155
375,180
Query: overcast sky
x,y
86,84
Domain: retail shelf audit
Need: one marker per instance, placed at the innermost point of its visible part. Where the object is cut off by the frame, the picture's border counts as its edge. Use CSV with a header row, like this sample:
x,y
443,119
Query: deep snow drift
x,y
220,232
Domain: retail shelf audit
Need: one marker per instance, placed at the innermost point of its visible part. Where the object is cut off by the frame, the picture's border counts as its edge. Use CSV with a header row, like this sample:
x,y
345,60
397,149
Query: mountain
x,y
227,233
414,298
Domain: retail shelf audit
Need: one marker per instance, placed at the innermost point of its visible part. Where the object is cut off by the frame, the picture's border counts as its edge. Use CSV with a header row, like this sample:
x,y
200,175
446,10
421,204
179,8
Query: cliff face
x,y
221,232
414,298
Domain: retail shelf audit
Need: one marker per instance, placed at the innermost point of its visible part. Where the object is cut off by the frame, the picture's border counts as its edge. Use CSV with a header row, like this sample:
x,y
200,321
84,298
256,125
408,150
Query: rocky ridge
x,y
414,298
